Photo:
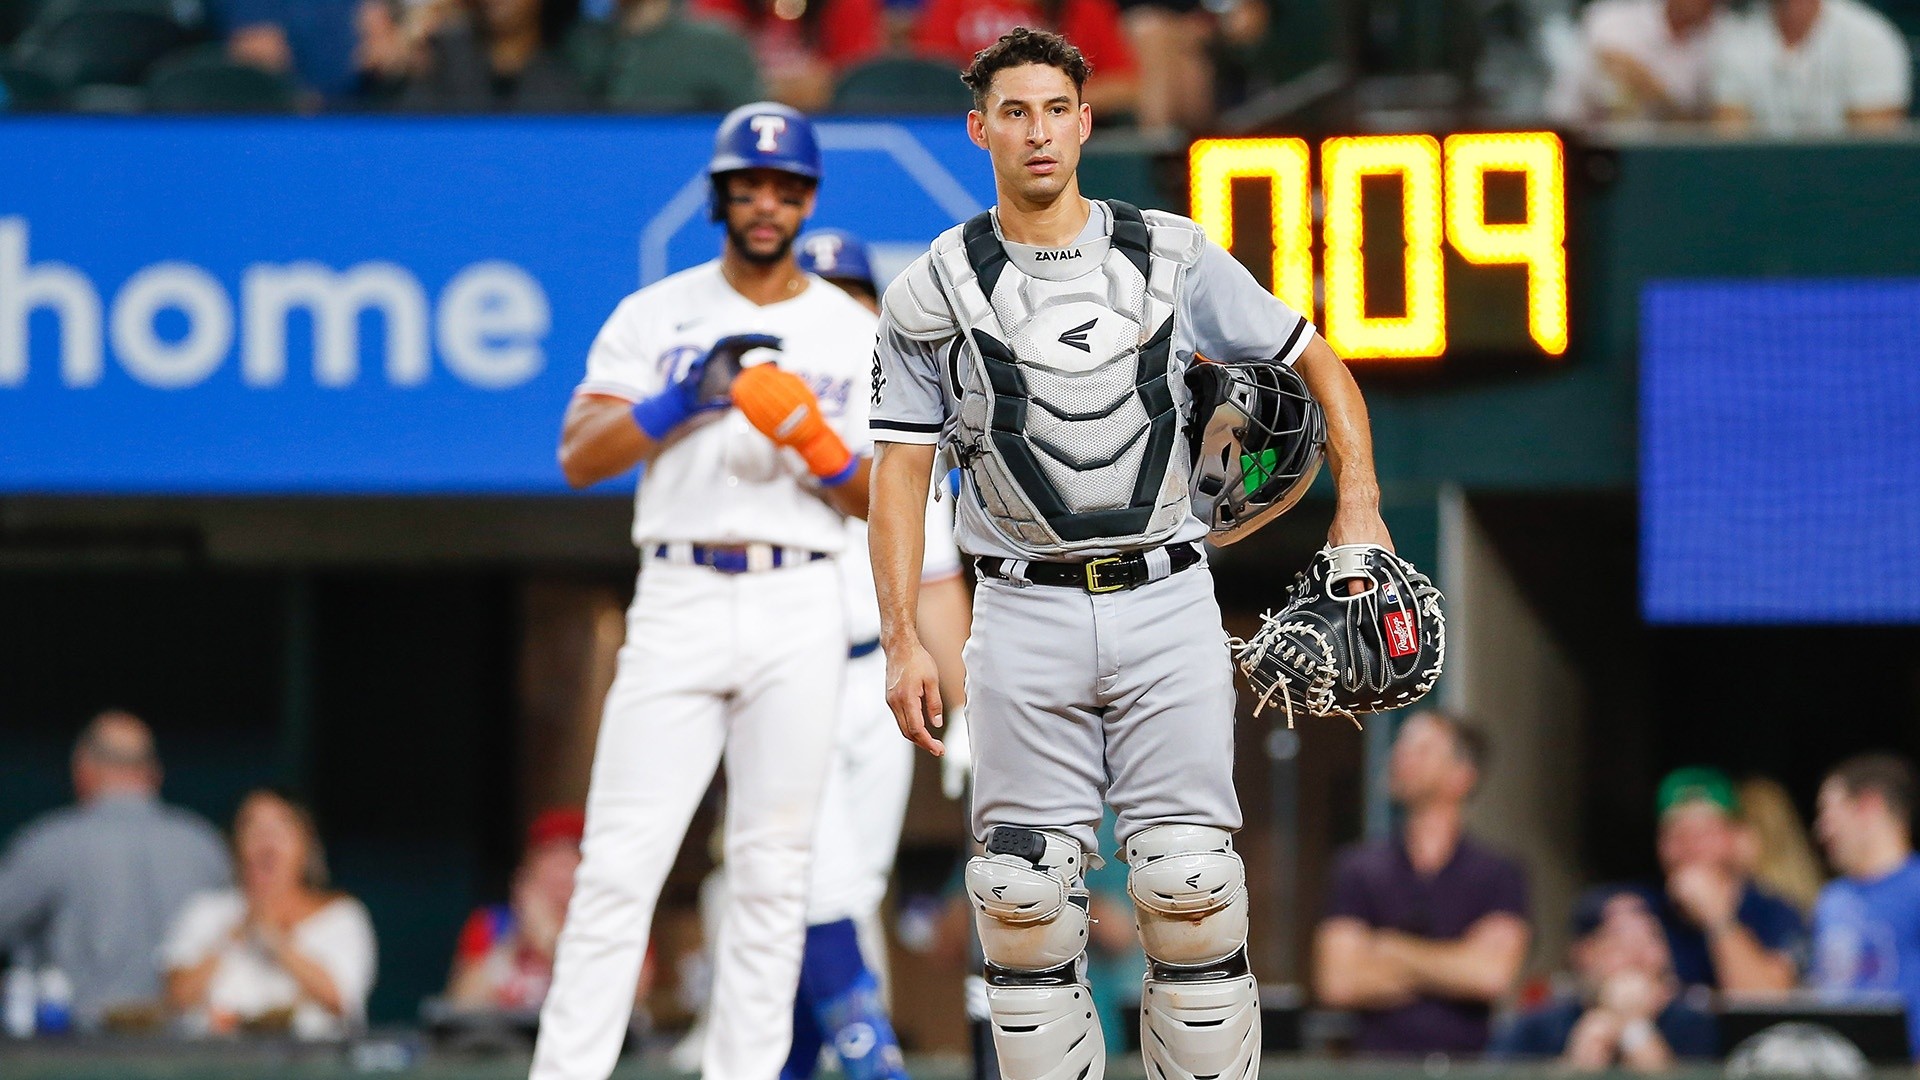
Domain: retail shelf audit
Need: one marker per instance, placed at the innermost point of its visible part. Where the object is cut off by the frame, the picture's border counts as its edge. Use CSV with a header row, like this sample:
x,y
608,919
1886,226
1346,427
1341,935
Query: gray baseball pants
x,y
1074,696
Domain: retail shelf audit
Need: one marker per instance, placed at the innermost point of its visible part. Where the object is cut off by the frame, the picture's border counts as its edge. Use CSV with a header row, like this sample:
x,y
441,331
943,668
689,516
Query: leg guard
x,y
1030,908
1200,1007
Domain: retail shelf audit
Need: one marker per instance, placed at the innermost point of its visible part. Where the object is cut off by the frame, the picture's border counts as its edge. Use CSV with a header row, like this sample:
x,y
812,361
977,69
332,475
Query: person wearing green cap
x,y
1724,931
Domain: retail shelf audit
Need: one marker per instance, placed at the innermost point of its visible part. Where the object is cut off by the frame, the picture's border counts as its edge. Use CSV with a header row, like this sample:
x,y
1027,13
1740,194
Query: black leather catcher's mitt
x,y
1332,653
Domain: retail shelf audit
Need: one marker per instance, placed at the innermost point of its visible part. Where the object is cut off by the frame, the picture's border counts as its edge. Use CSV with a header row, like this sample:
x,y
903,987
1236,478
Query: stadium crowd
x,y
1164,67
123,913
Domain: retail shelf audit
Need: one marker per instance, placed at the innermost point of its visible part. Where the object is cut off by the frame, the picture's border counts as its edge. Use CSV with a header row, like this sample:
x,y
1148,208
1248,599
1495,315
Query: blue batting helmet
x,y
763,135
837,255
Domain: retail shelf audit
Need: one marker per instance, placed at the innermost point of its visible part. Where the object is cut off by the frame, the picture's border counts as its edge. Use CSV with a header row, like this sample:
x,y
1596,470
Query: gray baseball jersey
x,y
1221,313
1073,696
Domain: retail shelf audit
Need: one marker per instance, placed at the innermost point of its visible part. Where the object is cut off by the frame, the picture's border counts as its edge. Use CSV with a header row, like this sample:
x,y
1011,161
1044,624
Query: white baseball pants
x,y
865,803
743,669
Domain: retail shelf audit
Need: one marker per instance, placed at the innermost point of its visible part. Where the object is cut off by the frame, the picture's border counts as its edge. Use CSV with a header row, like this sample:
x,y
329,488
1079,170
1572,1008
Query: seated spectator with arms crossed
x,y
281,953
1427,929
1724,931
91,889
1639,60
1811,67
1629,1013
1866,926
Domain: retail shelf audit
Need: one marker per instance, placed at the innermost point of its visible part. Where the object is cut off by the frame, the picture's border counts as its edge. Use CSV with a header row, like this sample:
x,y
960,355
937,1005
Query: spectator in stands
x,y
802,46
1173,42
504,961
953,30
281,953
91,889
1427,929
311,40
1867,924
1628,1012
1775,849
1639,60
1811,67
1724,931
465,56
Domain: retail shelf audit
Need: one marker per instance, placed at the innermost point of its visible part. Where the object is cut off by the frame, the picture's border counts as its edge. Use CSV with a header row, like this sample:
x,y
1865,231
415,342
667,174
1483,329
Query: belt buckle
x,y
1093,574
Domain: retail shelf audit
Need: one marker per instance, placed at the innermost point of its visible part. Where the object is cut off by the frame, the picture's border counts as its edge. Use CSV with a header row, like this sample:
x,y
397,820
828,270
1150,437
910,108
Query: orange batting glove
x,y
780,405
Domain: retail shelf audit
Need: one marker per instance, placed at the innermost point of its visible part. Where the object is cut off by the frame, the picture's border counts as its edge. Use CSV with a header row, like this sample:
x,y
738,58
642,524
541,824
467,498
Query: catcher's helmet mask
x,y
1257,437
763,135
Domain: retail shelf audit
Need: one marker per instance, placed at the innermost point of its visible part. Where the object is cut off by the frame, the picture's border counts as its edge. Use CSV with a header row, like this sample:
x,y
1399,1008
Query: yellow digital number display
x,y
1539,242
1443,203
1283,163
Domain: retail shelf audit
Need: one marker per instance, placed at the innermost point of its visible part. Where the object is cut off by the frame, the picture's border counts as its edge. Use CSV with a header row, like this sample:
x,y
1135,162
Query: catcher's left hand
x,y
1331,652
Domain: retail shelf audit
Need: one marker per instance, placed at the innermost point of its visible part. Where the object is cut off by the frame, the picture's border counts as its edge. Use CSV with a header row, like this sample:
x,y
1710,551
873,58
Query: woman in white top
x,y
281,953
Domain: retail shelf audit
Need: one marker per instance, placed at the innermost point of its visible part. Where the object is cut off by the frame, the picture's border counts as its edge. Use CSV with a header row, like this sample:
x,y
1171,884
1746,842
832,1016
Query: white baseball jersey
x,y
722,482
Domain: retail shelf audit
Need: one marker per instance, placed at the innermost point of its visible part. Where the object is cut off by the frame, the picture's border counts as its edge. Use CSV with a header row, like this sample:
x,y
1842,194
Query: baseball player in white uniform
x,y
741,521
843,971
1045,346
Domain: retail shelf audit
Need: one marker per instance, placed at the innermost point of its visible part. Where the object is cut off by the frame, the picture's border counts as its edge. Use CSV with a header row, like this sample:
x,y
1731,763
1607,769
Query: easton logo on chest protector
x,y
1065,418
1077,337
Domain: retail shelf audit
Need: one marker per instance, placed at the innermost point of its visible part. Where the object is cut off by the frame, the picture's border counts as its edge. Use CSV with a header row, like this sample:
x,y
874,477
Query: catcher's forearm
x,y
1349,435
897,540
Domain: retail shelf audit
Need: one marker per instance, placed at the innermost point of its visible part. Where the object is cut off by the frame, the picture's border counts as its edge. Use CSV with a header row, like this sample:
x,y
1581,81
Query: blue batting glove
x,y
703,387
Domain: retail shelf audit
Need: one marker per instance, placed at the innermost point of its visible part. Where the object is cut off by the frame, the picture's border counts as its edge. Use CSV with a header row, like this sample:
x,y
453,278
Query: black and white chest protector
x,y
1066,419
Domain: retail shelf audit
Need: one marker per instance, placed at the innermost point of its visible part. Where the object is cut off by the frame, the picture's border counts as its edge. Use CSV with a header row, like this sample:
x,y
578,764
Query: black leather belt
x,y
1113,573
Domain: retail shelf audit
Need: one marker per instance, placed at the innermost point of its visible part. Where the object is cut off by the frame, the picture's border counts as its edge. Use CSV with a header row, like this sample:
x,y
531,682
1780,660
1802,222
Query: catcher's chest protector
x,y
1066,417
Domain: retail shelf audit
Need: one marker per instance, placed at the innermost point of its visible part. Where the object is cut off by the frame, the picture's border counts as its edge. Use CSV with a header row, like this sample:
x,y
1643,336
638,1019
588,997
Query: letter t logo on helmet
x,y
770,129
764,135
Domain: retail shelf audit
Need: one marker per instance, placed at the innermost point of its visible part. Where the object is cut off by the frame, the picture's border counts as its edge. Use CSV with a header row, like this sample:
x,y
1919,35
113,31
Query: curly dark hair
x,y
1024,45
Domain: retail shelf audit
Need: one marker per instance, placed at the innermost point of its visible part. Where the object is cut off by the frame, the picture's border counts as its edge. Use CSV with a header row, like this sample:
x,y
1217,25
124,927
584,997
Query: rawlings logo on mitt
x,y
1333,652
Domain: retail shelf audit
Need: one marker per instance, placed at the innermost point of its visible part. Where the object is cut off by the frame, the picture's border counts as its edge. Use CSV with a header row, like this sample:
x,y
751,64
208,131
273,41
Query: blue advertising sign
x,y
1780,451
364,305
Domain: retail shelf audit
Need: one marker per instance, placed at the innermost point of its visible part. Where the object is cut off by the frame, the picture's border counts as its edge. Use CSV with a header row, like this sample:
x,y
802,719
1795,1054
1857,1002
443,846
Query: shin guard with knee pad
x,y
1030,908
1200,1006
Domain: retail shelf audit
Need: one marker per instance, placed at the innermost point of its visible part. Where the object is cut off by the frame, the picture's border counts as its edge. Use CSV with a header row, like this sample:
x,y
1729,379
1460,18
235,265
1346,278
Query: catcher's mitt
x,y
1328,653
